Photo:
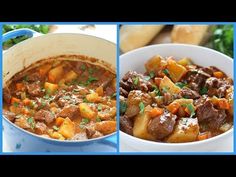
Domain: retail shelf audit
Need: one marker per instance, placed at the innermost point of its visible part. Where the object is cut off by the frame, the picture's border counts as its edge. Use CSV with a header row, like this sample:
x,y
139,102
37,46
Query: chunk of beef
x,y
135,81
70,111
167,98
34,89
43,115
40,128
34,77
213,117
189,94
135,97
92,133
199,79
7,95
206,111
217,87
123,92
126,125
162,126
9,115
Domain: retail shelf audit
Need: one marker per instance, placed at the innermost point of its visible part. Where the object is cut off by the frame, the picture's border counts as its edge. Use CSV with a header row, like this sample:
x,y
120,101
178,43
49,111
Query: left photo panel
x,y
59,88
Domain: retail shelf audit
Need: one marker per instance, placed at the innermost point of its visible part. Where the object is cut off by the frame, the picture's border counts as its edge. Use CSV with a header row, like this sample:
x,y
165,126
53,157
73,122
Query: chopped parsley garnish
x,y
141,107
166,72
147,78
46,97
136,80
91,79
26,78
98,119
85,100
157,92
83,67
181,84
123,107
55,127
90,70
31,122
203,90
152,74
66,97
165,89
113,95
15,104
83,122
99,107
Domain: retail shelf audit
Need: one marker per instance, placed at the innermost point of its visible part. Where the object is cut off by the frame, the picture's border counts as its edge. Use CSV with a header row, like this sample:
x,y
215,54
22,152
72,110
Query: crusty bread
x,y
189,34
135,36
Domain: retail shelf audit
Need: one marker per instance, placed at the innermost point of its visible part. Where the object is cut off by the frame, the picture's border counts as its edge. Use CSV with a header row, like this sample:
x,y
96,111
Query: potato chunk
x,y
176,70
86,111
67,128
106,127
156,63
55,74
140,125
167,85
186,130
50,88
70,76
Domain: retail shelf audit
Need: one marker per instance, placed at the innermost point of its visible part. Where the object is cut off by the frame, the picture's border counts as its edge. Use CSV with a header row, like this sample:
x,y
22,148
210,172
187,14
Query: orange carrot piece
x,y
27,101
223,103
59,121
204,136
155,112
218,74
15,100
157,81
173,107
20,87
99,91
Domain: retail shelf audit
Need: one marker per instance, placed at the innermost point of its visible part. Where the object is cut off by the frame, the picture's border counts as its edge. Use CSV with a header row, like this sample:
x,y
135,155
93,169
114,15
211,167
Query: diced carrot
x,y
204,136
155,112
157,81
173,107
223,103
14,100
20,87
181,112
99,91
25,111
218,74
59,121
27,101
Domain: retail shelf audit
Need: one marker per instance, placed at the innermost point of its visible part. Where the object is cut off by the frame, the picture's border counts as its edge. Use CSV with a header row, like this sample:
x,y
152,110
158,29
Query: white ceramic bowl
x,y
202,56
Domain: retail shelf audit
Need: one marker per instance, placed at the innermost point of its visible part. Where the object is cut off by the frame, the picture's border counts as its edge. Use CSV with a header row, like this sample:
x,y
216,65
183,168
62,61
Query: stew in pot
x,y
176,101
63,99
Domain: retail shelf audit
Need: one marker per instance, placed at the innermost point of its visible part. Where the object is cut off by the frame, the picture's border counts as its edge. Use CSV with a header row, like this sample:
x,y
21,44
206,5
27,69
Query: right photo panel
x,y
176,88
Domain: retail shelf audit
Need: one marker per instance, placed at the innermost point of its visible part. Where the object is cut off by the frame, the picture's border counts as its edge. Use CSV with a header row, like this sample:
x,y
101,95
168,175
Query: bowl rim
x,y
51,139
185,143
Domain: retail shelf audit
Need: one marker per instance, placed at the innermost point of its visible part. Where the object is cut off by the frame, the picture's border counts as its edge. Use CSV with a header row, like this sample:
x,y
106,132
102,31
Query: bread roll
x,y
135,36
189,34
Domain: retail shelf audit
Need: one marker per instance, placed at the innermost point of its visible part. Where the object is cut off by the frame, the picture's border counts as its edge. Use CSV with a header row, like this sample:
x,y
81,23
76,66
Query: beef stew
x,y
176,101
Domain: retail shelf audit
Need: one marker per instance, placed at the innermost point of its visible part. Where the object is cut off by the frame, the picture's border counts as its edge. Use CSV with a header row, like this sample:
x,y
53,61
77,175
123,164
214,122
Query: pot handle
x,y
19,32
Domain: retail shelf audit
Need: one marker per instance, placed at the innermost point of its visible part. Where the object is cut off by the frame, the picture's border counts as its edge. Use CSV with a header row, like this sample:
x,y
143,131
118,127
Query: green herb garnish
x,y
31,122
84,121
152,74
113,95
15,104
166,72
203,91
141,107
85,100
191,109
147,78
136,80
55,127
66,97
181,84
165,89
90,70
98,119
83,67
26,78
123,107
91,79
99,107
